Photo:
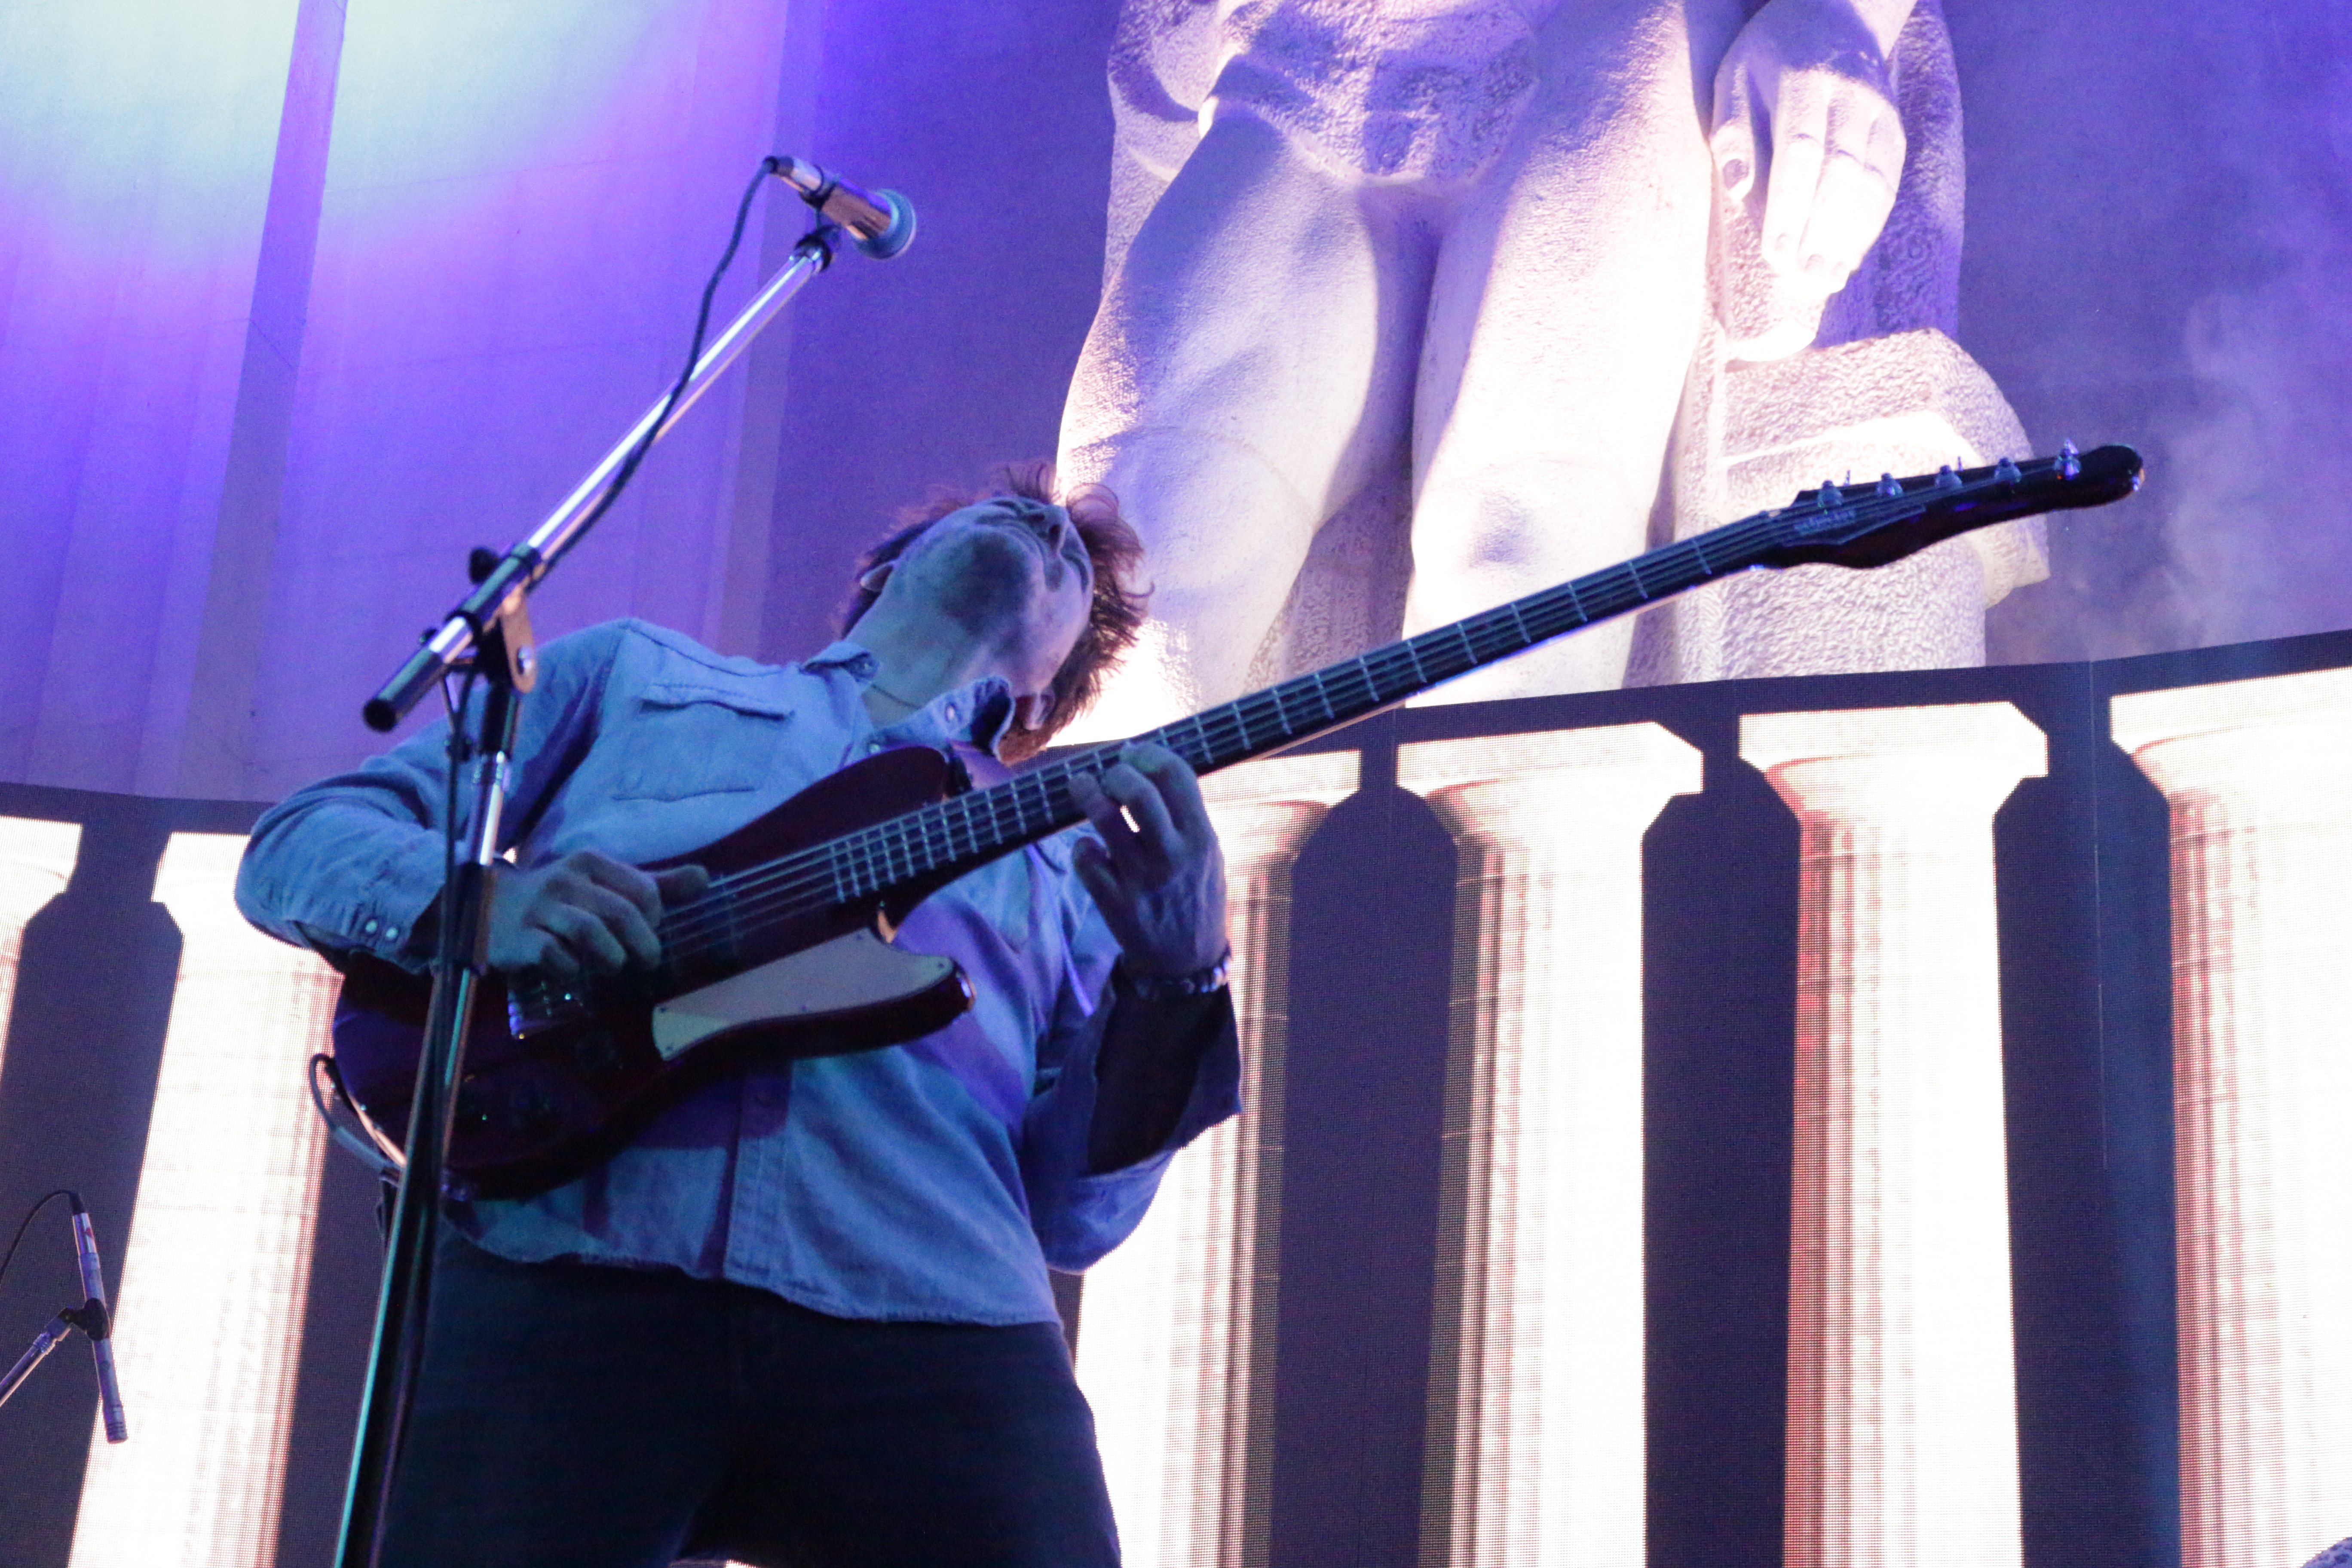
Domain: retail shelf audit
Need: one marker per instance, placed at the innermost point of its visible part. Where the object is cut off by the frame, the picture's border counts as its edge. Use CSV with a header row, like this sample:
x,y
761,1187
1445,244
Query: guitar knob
x,y
2070,460
1889,485
1947,479
2006,472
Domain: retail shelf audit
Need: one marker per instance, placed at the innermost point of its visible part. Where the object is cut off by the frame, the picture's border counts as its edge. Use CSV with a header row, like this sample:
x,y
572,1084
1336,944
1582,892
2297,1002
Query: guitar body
x,y
538,1107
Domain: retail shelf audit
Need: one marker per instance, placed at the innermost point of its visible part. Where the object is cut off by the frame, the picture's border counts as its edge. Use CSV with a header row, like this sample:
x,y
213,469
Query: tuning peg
x,y
2006,472
1945,479
2070,460
1889,485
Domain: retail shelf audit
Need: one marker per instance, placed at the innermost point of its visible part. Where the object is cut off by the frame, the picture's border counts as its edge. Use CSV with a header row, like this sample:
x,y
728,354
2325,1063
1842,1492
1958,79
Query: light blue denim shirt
x,y
934,1181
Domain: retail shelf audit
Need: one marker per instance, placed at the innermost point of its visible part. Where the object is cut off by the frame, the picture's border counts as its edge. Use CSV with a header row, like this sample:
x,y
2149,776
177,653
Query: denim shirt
x,y
934,1181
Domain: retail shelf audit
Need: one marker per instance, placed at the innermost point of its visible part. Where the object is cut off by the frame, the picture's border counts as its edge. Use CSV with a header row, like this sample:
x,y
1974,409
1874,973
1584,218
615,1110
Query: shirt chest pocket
x,y
696,740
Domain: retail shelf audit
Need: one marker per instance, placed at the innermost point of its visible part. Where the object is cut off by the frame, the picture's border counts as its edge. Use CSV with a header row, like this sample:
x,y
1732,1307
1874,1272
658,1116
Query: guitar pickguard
x,y
847,975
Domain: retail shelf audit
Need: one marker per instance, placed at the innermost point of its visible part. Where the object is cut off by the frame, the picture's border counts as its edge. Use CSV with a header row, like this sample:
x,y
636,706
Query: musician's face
x,y
1009,572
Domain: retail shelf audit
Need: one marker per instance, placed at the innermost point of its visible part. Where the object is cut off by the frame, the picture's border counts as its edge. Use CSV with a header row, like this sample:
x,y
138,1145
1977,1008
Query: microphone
x,y
882,223
98,1323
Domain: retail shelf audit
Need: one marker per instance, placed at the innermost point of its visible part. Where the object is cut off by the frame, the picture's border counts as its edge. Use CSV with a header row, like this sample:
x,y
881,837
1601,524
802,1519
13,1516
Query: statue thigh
x,y
1243,376
1566,306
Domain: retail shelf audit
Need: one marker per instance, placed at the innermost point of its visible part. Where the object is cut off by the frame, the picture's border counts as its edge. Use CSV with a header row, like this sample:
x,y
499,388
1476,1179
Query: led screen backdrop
x,y
1861,1118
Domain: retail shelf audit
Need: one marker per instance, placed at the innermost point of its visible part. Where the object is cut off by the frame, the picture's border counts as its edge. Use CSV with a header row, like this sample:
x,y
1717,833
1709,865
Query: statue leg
x,y
1566,307
1245,371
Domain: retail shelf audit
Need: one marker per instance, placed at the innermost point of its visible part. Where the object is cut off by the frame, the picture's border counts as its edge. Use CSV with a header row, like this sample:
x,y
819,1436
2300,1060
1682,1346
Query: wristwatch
x,y
1170,987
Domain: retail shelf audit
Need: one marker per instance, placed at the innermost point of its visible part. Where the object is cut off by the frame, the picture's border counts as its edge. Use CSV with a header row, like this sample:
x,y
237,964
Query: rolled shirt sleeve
x,y
1079,1217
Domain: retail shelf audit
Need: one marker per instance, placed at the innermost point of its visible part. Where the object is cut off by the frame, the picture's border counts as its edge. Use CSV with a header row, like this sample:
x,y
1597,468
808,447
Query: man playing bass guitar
x,y
804,1315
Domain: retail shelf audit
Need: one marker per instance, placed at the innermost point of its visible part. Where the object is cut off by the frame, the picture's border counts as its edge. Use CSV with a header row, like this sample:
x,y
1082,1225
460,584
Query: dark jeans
x,y
583,1417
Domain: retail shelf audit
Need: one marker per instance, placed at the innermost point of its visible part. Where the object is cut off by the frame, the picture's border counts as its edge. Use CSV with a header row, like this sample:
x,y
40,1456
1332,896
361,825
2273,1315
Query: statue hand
x,y
1801,104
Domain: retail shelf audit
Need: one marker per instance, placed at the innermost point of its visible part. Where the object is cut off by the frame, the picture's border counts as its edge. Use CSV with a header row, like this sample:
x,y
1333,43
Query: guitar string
x,y
807,882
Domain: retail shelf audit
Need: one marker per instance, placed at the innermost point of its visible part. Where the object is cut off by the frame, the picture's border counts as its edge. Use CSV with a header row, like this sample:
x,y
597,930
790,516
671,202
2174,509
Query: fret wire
x,y
1230,716
1469,649
1420,676
1493,638
1030,782
1010,801
1043,790
1294,691
1323,695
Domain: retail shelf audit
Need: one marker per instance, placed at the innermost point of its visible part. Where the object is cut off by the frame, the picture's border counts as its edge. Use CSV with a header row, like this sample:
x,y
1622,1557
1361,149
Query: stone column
x,y
37,860
1176,1343
1902,1375
2258,777
1535,1420
216,1265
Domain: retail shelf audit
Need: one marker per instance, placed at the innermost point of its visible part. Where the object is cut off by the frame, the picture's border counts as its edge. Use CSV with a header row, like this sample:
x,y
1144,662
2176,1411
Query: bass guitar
x,y
789,954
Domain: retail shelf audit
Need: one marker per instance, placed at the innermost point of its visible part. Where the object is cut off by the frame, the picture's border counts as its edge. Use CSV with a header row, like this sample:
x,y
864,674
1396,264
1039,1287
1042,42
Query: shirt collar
x,y
978,714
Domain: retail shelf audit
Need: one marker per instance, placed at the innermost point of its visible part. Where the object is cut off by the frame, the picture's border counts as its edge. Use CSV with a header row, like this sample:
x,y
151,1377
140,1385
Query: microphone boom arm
x,y
522,568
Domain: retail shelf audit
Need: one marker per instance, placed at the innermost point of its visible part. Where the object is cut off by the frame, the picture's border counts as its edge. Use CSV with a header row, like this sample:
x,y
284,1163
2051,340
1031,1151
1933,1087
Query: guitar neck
x,y
969,829
1340,694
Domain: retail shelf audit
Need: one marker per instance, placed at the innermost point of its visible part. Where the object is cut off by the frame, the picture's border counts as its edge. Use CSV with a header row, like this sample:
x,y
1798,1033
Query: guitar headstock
x,y
1872,524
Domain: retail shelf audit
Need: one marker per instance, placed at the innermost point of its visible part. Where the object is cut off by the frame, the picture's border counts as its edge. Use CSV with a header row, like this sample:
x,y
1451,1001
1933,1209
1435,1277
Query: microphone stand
x,y
489,632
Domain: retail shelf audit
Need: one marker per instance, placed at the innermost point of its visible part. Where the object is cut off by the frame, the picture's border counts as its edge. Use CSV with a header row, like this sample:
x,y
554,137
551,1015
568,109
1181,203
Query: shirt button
x,y
392,933
369,928
873,745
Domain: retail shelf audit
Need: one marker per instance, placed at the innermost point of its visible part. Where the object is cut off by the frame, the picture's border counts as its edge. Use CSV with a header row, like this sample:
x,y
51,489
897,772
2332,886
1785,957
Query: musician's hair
x,y
1113,619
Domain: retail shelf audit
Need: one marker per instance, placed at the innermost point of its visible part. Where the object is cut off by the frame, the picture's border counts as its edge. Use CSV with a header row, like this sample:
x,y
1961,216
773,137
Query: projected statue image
x,y
1413,307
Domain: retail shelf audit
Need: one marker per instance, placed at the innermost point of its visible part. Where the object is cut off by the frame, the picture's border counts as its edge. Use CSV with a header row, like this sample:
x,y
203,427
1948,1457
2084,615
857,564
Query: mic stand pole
x,y
457,969
491,628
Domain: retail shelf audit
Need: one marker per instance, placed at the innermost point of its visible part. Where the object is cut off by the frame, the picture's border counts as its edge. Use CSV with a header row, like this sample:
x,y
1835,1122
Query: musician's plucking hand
x,y
583,913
